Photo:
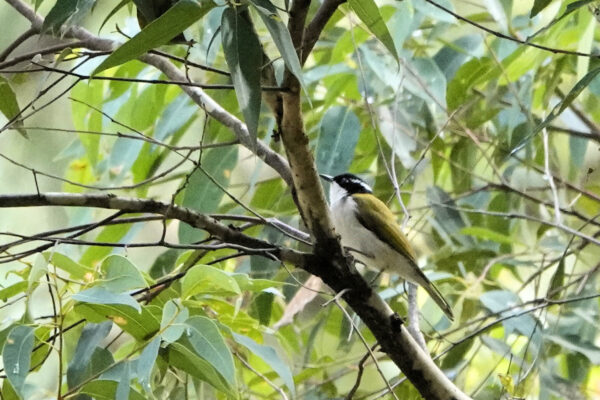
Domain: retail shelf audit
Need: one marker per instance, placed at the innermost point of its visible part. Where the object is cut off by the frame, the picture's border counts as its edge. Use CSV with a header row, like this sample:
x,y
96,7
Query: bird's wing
x,y
374,215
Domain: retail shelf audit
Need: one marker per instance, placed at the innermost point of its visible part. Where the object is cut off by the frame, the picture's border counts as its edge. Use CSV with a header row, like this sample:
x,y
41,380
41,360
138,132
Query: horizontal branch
x,y
131,205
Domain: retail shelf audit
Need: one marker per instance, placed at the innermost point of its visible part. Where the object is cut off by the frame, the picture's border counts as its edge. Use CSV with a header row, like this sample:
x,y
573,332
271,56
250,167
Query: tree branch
x,y
207,103
315,27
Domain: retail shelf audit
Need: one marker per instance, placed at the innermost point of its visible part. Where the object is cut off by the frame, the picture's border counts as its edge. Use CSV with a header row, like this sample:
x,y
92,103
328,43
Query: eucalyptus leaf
x,y
340,129
243,54
16,355
158,32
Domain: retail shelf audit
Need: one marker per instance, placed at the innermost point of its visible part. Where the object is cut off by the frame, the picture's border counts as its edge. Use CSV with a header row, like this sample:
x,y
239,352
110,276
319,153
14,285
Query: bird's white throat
x,y
336,193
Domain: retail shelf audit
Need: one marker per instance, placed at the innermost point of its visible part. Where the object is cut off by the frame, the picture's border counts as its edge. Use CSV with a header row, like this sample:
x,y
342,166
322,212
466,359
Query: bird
x,y
368,228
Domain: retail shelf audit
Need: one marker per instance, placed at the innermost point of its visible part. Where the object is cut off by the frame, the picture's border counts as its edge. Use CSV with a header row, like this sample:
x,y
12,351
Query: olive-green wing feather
x,y
374,215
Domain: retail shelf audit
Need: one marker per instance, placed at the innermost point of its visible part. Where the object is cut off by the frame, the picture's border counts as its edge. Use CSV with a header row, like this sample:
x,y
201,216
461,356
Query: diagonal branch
x,y
199,96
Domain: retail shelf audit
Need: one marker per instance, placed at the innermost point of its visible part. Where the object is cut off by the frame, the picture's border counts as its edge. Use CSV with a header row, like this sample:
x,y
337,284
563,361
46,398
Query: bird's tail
x,y
436,295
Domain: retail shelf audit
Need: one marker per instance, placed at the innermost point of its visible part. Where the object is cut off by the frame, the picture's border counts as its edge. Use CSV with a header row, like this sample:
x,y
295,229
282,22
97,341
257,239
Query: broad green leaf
x,y
12,290
201,194
172,322
487,234
181,356
66,12
269,356
100,360
243,54
141,325
538,5
281,36
145,362
9,105
103,389
340,129
368,12
16,355
209,344
74,269
91,336
120,275
204,279
158,32
99,295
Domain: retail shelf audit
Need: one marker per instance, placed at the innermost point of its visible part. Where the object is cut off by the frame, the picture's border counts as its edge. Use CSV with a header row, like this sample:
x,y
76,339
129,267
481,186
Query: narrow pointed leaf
x,y
281,36
243,54
368,12
160,31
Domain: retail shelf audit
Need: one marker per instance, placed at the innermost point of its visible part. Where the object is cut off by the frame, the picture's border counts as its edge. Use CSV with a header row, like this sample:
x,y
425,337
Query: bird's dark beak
x,y
328,178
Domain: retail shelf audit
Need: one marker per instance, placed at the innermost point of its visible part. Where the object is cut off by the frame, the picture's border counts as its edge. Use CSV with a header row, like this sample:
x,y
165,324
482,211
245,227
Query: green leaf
x,y
243,54
281,36
91,336
208,343
120,275
74,269
99,295
204,279
16,356
13,290
139,325
172,322
9,105
145,362
538,5
340,129
158,32
201,194
368,12
269,356
180,356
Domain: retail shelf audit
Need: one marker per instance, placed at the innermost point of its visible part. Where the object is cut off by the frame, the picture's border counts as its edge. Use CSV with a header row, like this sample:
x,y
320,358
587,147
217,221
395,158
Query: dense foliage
x,y
477,122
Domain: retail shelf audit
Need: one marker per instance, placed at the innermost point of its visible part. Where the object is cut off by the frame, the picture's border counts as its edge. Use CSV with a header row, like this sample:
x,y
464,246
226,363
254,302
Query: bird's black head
x,y
352,184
